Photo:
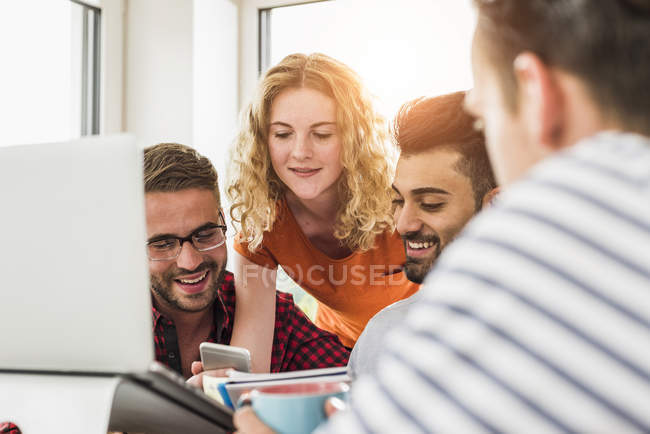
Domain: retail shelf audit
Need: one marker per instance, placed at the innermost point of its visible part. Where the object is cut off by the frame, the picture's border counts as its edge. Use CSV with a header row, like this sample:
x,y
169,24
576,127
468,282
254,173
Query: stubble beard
x,y
416,269
163,288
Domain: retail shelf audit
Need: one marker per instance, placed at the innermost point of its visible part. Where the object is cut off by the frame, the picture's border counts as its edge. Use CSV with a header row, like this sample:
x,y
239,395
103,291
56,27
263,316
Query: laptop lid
x,y
75,292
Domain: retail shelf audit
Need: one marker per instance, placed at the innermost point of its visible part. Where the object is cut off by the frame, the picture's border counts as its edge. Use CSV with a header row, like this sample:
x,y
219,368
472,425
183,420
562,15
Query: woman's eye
x,y
282,135
397,202
323,136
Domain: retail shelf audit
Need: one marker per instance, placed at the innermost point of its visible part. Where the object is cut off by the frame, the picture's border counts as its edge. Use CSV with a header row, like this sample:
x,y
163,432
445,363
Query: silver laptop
x,y
75,294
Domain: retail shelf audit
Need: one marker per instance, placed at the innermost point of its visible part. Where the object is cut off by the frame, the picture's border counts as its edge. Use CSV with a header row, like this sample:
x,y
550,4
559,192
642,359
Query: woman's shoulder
x,y
284,227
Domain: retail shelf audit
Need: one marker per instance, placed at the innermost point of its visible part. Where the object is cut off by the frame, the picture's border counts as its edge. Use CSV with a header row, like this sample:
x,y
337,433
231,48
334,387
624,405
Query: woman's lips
x,y
304,172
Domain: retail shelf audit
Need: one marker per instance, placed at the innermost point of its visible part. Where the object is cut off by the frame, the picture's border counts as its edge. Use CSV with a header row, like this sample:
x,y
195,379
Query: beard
x,y
416,269
163,287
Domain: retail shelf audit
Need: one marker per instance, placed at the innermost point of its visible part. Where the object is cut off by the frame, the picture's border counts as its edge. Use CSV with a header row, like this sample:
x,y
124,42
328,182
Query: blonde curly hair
x,y
368,162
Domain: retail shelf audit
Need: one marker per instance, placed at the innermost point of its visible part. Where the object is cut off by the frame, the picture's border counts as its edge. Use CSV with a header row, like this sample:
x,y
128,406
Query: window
x,y
402,50
50,78
279,27
90,68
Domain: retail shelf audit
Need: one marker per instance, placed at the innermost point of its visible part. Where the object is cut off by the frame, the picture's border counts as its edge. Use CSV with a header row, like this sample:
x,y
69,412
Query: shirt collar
x,y
221,318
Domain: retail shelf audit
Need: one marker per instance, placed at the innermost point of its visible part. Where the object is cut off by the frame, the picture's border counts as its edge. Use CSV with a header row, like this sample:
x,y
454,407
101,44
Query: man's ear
x,y
540,100
489,197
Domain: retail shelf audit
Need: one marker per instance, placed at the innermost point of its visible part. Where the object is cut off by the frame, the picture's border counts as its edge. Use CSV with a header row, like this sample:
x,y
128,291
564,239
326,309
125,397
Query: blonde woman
x,y
310,187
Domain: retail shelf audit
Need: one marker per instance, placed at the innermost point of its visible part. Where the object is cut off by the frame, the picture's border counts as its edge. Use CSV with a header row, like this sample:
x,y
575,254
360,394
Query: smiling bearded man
x,y
443,179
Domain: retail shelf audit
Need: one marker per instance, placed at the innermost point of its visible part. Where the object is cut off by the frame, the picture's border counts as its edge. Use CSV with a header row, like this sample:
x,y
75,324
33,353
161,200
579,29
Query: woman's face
x,y
304,143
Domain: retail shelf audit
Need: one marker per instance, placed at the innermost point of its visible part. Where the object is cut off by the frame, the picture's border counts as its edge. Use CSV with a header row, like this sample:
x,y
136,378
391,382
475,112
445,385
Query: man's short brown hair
x,y
605,43
427,123
171,167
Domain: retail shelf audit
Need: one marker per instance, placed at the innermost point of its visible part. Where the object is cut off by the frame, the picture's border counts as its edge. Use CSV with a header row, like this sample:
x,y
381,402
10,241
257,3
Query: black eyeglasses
x,y
205,238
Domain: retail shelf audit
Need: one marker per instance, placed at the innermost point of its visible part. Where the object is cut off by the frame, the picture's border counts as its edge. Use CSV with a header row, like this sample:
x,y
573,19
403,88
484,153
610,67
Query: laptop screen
x,y
75,291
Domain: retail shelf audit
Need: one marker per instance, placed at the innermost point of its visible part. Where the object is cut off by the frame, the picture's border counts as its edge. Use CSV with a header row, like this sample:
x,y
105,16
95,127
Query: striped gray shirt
x,y
537,319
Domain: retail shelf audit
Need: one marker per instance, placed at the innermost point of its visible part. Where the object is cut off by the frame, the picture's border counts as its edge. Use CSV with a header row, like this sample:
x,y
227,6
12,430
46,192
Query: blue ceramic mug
x,y
293,408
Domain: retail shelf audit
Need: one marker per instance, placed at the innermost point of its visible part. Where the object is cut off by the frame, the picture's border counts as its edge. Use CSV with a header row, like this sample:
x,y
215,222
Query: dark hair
x,y
605,43
171,167
427,123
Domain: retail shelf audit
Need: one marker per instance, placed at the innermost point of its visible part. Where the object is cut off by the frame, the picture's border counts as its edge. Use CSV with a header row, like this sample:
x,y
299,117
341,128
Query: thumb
x,y
334,405
196,368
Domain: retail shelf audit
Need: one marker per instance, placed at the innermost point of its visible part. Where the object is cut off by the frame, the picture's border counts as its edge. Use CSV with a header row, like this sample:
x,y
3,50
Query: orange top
x,y
349,290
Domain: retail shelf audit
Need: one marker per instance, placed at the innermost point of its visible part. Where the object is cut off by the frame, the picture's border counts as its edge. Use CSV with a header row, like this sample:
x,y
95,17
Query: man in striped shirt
x,y
537,319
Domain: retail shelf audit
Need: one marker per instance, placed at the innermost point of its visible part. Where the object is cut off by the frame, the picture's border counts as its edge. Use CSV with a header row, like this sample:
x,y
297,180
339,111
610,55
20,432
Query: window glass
x,y
402,50
41,42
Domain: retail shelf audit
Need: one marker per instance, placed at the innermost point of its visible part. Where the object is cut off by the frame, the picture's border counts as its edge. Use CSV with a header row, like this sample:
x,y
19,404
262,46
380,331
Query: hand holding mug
x,y
288,409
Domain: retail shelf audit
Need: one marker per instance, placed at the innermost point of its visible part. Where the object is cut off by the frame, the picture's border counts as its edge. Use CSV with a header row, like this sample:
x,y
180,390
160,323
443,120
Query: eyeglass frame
x,y
189,239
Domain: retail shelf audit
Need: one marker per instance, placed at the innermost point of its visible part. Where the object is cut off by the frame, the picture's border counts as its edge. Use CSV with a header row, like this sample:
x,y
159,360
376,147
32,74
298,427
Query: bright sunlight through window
x,y
41,78
402,49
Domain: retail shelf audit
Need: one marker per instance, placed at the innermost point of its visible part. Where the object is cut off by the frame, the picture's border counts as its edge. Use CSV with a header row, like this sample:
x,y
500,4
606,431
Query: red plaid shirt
x,y
297,343
8,428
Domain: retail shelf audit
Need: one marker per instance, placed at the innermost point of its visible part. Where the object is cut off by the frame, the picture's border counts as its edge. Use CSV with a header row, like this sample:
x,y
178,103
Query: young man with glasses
x,y
193,295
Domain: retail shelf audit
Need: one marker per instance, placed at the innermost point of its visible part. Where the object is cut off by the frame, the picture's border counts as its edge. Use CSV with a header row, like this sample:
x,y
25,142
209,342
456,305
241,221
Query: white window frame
x,y
249,42
112,65
91,65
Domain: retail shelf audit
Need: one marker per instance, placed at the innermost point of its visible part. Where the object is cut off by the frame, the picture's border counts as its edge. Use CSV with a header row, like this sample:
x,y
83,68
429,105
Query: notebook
x,y
229,389
75,295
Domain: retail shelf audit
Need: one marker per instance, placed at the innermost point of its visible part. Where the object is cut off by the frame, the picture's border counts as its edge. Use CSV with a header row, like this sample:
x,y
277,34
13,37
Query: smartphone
x,y
217,356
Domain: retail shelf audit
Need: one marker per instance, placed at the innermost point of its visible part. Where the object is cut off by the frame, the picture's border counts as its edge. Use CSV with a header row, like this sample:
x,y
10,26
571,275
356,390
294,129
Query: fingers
x,y
224,372
196,380
196,368
333,405
247,422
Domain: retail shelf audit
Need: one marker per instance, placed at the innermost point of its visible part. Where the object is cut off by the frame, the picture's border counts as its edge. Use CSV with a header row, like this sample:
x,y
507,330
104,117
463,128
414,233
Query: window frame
x,y
254,47
90,67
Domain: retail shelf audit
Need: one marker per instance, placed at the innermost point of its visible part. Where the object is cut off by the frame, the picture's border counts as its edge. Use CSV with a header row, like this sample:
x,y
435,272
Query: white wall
x,y
181,73
158,72
112,69
215,80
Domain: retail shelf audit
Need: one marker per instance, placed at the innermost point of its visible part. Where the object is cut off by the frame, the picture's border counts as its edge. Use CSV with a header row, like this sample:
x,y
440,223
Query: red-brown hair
x,y
427,123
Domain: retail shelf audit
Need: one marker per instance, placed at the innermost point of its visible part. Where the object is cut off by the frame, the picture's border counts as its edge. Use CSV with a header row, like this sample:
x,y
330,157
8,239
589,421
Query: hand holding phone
x,y
217,356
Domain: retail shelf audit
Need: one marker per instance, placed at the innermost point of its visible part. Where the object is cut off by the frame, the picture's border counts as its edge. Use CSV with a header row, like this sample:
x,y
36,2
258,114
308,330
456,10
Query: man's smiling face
x,y
432,203
189,282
